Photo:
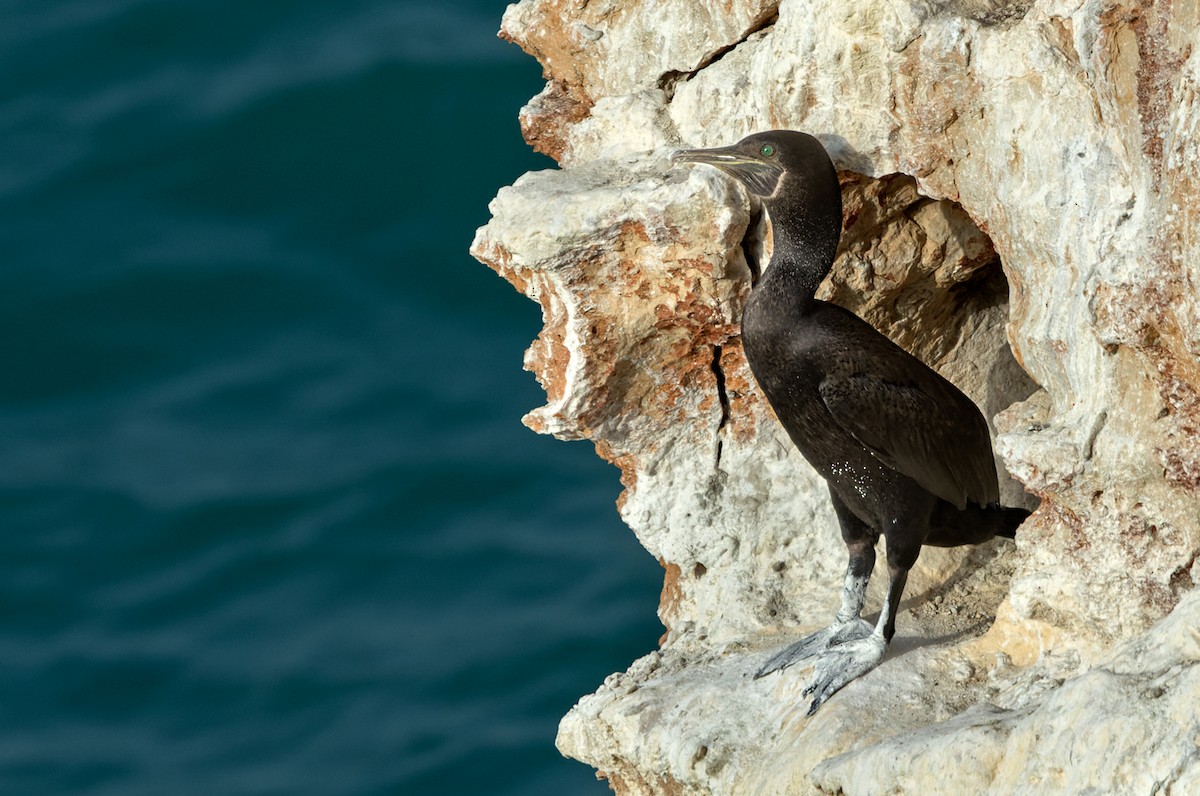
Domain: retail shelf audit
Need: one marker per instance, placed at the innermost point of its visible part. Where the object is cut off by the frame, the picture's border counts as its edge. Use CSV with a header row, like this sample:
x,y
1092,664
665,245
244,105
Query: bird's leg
x,y
854,590
860,541
839,665
847,626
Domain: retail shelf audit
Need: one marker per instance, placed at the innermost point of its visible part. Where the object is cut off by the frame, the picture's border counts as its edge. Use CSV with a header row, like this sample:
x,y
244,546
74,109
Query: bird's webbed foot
x,y
841,664
832,637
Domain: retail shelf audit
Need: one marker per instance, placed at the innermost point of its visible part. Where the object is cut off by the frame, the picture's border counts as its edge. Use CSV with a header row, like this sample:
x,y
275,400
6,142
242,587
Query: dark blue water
x,y
268,521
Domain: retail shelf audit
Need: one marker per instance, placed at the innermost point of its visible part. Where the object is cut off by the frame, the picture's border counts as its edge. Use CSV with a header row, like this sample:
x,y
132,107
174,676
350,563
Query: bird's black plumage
x,y
905,453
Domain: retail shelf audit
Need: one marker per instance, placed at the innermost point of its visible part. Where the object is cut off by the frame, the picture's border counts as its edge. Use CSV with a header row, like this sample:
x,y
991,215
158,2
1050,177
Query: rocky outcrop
x,y
1021,185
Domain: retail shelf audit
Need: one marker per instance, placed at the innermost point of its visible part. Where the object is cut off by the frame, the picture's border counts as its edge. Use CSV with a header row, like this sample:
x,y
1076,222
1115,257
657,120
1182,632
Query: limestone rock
x,y
1128,725
1021,182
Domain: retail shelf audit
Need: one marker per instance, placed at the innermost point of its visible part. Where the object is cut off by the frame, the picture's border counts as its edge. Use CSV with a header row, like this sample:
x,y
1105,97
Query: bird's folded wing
x,y
928,431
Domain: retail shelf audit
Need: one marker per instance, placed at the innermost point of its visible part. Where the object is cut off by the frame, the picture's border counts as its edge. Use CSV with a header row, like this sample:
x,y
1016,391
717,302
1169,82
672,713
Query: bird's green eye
x,y
767,150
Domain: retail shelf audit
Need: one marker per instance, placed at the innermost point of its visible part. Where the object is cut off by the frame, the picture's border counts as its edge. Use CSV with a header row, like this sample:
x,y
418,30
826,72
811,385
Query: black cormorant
x,y
905,453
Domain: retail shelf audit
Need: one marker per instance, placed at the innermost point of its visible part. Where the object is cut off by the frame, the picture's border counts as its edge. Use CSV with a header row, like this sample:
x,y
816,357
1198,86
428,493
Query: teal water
x,y
270,524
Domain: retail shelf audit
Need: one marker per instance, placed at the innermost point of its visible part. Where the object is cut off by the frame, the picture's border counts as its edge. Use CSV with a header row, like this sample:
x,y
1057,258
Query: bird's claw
x,y
815,644
839,665
843,652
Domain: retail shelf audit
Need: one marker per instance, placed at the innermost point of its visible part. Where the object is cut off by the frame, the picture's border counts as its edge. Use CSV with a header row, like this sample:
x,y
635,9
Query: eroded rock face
x,y
1021,184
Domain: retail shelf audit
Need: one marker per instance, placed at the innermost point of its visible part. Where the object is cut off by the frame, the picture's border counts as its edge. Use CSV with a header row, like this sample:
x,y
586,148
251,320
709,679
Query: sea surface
x,y
269,523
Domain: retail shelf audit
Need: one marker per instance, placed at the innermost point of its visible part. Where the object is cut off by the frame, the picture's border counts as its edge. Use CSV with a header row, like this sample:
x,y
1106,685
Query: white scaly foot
x,y
832,637
841,664
852,649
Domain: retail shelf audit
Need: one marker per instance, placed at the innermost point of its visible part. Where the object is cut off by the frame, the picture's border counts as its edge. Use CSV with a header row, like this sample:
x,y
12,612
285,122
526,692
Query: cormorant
x,y
905,453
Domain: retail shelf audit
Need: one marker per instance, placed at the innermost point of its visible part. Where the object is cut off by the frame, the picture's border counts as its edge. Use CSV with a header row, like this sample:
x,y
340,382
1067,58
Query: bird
x,y
906,455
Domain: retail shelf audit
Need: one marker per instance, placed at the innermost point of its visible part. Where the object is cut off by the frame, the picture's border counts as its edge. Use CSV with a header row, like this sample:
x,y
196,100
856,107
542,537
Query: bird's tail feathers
x,y
1008,519
973,524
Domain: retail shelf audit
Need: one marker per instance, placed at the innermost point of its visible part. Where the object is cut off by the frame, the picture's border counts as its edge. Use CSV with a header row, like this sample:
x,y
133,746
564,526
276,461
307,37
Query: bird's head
x,y
769,164
791,174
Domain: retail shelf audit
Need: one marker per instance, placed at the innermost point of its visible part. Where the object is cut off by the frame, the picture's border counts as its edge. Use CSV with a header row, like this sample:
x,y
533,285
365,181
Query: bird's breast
x,y
790,357
780,350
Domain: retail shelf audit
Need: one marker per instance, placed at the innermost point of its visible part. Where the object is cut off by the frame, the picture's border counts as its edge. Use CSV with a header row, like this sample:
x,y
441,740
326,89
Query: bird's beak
x,y
759,176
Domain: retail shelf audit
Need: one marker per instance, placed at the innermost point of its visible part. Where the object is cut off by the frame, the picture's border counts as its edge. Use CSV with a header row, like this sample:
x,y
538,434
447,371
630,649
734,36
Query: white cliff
x,y
1021,186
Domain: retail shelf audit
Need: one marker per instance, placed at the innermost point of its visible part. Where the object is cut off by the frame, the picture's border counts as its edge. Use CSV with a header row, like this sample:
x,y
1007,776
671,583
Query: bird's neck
x,y
804,246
